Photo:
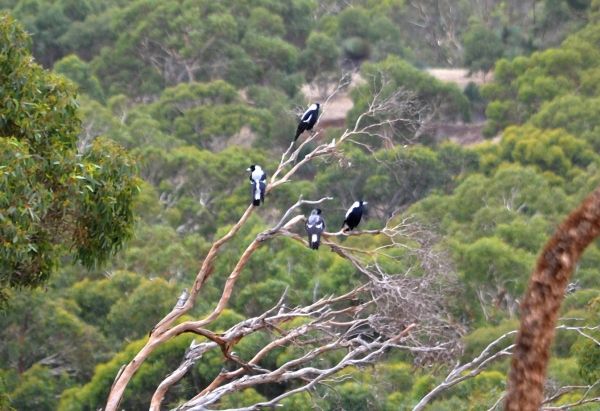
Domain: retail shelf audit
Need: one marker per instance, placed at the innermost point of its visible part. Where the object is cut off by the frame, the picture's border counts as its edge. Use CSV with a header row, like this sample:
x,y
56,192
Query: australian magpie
x,y
354,215
308,119
258,184
315,225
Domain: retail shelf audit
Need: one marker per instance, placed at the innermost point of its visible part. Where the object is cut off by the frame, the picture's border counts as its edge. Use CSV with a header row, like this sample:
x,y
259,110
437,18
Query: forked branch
x,y
331,325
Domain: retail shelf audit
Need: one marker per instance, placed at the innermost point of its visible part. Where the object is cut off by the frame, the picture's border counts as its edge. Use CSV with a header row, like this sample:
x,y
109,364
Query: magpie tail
x,y
301,129
256,202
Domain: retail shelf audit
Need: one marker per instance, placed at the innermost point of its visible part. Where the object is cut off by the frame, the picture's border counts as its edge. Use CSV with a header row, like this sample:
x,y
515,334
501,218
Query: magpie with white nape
x,y
308,120
258,184
354,215
315,225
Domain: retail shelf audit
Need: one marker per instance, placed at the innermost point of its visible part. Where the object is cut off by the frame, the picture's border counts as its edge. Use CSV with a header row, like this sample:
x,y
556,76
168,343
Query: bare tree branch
x,y
473,368
582,401
314,375
457,375
399,310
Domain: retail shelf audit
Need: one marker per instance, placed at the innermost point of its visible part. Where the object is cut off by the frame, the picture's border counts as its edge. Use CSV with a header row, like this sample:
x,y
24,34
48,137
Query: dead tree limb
x,y
473,368
381,313
390,103
363,354
469,370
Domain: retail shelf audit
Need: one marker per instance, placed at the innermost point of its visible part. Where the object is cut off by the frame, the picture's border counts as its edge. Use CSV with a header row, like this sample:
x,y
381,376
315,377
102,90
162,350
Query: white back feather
x,y
256,177
311,108
257,173
355,205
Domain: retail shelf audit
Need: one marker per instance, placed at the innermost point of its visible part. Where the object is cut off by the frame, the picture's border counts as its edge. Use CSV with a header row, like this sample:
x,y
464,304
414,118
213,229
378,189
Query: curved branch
x,y
166,329
352,358
157,334
193,354
195,326
457,375
543,298
319,310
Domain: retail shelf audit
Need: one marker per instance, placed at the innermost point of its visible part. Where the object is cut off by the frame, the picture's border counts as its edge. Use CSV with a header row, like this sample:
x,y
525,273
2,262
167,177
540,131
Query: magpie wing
x,y
306,113
252,189
263,186
352,208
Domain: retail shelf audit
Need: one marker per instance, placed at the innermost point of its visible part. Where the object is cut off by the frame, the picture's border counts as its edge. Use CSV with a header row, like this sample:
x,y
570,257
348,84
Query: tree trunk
x,y
543,298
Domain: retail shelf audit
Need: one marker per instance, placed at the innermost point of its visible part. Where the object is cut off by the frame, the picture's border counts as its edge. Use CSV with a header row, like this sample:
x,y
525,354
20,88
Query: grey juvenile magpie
x,y
354,215
308,119
315,225
258,184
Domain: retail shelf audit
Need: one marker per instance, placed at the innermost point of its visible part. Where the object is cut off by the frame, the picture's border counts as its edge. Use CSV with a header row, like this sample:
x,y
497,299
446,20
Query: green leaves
x,y
105,218
79,72
524,85
52,198
319,57
482,48
161,45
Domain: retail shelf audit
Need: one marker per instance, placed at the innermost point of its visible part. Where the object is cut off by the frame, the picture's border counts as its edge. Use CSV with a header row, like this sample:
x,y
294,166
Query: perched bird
x,y
354,215
308,119
315,225
182,298
258,184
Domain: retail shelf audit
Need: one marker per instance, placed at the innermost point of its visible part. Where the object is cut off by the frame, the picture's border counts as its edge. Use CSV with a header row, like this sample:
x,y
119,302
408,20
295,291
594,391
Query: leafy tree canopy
x,y
53,198
178,83
524,85
482,48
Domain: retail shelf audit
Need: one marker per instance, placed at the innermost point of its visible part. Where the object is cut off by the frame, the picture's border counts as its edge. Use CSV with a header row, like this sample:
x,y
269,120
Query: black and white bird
x,y
182,298
315,225
258,184
354,215
308,120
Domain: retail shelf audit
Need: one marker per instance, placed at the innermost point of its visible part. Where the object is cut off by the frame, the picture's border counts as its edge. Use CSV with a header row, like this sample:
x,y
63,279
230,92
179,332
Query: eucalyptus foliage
x,y
53,199
179,84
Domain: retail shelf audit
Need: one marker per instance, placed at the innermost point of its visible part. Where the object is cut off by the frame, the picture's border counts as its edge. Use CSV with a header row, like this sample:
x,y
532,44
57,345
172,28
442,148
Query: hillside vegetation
x,y
188,94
